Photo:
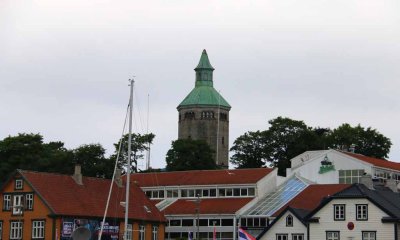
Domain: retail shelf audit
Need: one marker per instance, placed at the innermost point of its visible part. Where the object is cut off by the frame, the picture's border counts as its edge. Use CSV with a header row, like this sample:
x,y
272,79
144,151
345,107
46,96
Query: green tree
x,y
27,151
187,154
93,161
287,138
249,150
283,140
139,144
366,141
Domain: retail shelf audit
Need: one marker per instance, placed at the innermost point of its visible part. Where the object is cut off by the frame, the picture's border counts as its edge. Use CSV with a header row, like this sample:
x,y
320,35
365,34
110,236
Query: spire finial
x,y
204,62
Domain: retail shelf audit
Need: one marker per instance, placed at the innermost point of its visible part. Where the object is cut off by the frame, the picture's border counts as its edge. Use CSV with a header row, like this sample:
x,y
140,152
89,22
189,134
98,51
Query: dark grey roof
x,y
300,213
388,201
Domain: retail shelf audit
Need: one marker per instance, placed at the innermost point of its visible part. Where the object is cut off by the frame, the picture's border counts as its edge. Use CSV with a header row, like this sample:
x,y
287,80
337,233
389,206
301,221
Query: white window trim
x,y
142,232
19,184
38,227
7,202
16,228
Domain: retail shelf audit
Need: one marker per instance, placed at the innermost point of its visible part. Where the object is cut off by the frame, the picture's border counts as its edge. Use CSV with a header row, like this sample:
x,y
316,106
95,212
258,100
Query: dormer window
x,y
19,184
289,221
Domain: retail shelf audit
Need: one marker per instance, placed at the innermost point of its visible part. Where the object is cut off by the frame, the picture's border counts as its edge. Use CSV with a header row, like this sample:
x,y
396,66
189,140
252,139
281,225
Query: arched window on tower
x,y
189,115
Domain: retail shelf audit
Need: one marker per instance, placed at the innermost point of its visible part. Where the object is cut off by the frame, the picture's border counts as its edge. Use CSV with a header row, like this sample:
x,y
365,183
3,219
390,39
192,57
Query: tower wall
x,y
201,123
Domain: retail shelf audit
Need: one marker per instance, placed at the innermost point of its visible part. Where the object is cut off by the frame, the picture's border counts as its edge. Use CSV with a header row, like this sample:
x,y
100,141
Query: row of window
x,y
244,222
16,227
295,236
202,193
204,222
253,222
17,202
350,176
142,232
204,115
202,235
382,174
339,211
366,235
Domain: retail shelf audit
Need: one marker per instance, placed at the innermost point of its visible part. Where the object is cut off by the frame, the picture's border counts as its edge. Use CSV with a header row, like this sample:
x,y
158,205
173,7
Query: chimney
x,y
118,179
78,174
367,181
392,185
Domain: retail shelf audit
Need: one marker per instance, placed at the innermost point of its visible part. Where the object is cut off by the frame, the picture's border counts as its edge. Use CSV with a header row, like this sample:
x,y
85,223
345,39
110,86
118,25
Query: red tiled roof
x,y
376,161
65,197
207,206
311,197
201,177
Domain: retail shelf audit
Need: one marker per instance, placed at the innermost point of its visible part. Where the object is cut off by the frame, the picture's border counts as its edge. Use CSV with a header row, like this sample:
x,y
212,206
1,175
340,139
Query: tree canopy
x,y
27,151
187,154
93,161
140,143
287,138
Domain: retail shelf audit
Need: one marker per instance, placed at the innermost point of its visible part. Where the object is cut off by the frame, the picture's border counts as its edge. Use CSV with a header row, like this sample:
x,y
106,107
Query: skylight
x,y
272,202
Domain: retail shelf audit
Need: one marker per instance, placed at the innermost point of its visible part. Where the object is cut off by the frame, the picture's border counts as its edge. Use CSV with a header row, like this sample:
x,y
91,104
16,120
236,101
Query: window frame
x,y
335,218
295,236
328,232
289,220
7,207
154,232
1,230
14,211
19,229
19,184
362,235
363,218
28,201
142,232
129,229
282,236
40,229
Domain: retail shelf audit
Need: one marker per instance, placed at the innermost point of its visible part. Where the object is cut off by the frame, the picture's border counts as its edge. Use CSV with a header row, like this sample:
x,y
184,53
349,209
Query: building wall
x,y
281,228
39,212
374,223
206,129
310,168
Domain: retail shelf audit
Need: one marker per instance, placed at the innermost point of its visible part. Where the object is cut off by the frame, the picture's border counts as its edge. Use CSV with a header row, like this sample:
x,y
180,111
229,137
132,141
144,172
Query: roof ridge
x,y
203,170
60,174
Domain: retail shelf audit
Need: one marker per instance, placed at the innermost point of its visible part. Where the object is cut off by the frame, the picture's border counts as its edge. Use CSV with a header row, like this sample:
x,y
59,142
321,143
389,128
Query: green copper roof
x,y
204,92
204,63
204,95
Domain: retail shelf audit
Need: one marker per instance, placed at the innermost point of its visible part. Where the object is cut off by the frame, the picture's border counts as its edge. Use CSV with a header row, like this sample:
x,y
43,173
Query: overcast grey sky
x,y
64,65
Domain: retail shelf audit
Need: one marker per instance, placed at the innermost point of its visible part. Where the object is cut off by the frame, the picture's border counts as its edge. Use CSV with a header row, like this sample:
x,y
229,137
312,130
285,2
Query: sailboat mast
x,y
128,169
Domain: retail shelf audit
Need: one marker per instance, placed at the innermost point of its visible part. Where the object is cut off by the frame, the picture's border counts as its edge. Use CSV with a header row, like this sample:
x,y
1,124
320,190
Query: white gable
x,y
327,222
311,169
280,228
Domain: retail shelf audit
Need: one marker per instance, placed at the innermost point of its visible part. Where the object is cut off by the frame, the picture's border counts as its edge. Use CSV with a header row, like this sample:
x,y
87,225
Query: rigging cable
x,y
113,177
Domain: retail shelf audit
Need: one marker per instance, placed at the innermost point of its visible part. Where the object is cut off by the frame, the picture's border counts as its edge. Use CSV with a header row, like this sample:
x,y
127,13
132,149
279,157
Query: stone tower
x,y
204,113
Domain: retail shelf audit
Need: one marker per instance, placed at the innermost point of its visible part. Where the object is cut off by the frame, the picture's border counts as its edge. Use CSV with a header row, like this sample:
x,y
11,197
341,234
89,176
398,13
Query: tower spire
x,y
204,71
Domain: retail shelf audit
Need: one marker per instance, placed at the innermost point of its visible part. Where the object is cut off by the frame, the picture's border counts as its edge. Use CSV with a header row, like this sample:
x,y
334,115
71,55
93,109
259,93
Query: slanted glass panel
x,y
269,204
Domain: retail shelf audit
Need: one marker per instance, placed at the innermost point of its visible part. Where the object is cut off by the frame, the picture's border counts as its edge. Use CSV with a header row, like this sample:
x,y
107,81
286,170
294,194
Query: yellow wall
x,y
39,212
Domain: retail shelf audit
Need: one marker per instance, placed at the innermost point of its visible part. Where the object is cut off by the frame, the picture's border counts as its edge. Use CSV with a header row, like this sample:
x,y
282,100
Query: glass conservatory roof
x,y
273,201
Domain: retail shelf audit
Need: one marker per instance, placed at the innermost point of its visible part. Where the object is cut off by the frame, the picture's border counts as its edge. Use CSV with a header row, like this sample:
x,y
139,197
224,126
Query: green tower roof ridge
x,y
204,96
204,62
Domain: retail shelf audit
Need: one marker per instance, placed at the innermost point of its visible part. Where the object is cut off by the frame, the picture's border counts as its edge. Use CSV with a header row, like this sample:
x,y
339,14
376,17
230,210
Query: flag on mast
x,y
243,235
